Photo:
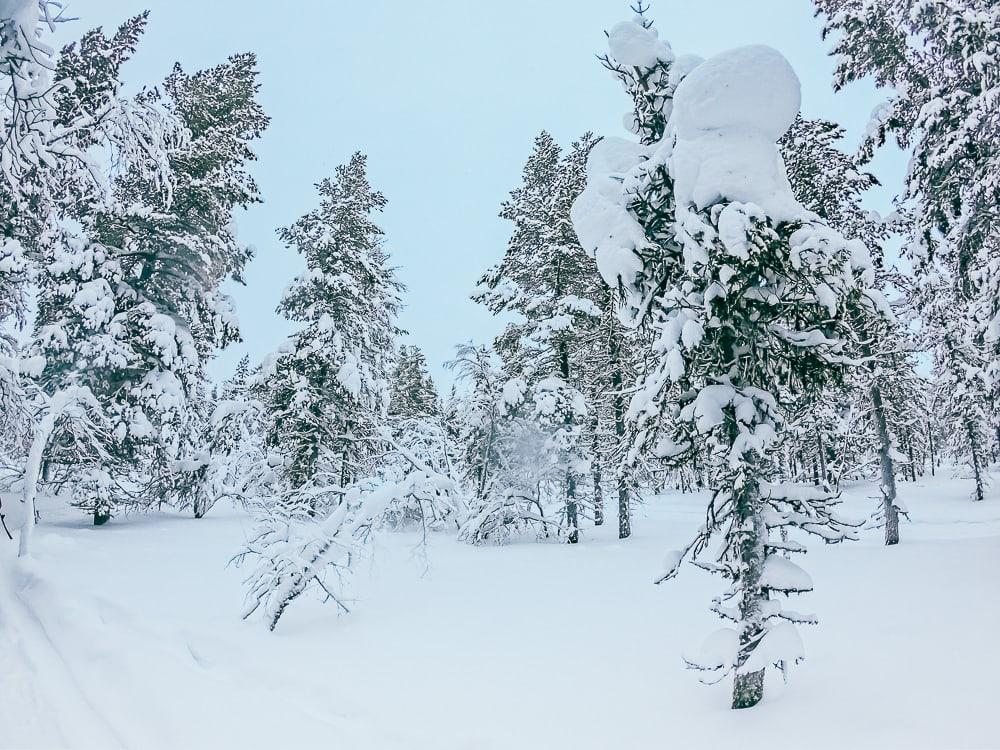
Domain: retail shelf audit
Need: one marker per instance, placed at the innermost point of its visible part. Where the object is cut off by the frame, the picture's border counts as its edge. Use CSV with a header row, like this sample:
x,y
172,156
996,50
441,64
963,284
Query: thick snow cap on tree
x,y
603,224
630,43
729,113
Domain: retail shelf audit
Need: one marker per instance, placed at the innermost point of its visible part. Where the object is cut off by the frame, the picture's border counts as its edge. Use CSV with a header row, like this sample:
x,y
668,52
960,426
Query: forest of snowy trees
x,y
703,304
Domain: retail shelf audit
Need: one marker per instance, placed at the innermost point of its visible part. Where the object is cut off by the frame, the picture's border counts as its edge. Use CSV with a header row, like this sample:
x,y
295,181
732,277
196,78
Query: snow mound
x,y
747,88
631,44
729,113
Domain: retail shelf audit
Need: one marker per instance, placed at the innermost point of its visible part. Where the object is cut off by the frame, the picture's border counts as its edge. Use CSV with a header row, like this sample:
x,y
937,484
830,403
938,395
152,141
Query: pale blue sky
x,y
445,97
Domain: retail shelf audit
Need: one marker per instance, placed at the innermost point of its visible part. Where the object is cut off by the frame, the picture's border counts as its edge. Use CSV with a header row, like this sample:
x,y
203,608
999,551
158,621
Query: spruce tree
x,y
546,279
413,392
829,182
941,61
748,294
131,306
328,386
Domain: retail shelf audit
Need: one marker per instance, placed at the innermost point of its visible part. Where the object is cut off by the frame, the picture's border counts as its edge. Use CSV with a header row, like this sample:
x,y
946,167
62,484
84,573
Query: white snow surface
x,y
729,113
128,635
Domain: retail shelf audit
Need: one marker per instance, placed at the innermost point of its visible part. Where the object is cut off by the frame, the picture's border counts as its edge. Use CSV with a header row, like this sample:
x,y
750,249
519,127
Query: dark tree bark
x,y
617,380
102,513
748,687
821,452
571,511
977,470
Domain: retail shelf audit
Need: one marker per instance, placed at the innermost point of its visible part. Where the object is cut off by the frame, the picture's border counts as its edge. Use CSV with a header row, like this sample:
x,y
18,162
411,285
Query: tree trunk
x,y
59,402
32,470
571,515
974,449
748,687
889,508
821,452
930,445
102,513
624,512
199,506
598,495
617,380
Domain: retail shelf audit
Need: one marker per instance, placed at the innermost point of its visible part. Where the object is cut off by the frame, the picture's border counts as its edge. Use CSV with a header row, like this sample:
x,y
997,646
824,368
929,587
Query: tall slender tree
x,y
940,62
547,281
829,182
747,292
328,386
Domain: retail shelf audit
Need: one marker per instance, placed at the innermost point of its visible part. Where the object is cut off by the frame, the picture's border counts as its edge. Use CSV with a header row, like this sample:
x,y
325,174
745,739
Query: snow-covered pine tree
x,y
28,172
548,282
234,463
941,61
475,419
961,388
609,369
328,386
829,182
748,293
417,425
499,460
327,391
131,306
649,72
413,392
604,354
50,166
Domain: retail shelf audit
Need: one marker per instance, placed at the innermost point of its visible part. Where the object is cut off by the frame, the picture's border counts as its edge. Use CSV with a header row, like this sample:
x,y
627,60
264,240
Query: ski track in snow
x,y
129,636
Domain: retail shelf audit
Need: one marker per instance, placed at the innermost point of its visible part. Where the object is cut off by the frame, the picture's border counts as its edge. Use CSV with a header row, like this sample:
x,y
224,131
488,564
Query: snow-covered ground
x,y
129,636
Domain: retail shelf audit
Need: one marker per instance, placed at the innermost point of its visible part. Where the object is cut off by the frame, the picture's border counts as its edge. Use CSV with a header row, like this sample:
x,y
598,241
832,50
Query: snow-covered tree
x,y
83,422
748,293
881,398
131,305
475,418
328,386
419,431
413,392
547,282
294,551
940,61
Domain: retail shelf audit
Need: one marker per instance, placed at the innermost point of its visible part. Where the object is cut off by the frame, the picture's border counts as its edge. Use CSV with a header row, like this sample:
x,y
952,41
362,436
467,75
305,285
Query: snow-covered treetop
x,y
729,113
631,43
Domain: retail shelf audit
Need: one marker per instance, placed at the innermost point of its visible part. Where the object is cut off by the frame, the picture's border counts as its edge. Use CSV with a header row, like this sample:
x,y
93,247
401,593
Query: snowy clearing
x,y
129,636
